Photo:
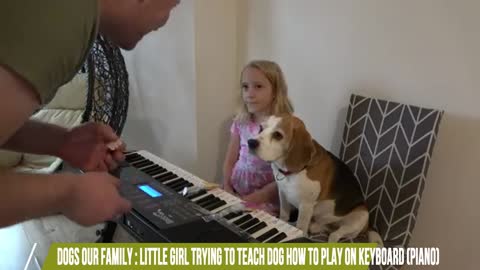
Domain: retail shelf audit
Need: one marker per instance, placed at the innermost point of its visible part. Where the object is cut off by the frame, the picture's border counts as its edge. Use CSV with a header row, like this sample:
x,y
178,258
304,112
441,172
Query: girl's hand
x,y
256,197
228,188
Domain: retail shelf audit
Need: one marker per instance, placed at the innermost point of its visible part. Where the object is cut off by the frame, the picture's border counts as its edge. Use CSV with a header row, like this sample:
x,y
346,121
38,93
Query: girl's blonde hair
x,y
274,74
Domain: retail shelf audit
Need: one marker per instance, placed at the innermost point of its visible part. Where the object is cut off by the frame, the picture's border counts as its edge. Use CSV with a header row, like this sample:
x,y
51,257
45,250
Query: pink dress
x,y
250,172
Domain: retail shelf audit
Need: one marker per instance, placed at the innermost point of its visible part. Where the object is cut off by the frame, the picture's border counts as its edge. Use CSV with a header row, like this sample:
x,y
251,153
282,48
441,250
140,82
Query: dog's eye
x,y
261,129
277,136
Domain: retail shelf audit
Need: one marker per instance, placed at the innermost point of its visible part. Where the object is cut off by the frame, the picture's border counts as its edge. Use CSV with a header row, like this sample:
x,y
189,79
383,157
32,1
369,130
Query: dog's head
x,y
284,139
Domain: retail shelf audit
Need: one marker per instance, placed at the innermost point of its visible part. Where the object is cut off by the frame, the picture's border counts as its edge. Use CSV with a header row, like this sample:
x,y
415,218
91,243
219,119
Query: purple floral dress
x,y
250,173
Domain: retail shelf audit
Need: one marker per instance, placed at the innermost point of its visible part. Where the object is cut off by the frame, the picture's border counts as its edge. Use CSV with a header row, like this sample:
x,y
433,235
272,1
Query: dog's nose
x,y
253,144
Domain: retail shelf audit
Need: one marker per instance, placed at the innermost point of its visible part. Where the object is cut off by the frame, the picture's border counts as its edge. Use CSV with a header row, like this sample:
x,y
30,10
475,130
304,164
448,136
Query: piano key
x,y
227,197
208,202
165,177
269,220
267,235
243,219
257,227
197,194
178,187
155,170
133,158
233,215
249,223
277,238
215,205
174,183
142,163
205,198
145,169
182,186
131,154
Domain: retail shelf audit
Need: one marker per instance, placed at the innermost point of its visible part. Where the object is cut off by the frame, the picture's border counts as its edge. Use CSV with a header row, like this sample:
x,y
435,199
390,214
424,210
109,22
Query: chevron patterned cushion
x,y
388,146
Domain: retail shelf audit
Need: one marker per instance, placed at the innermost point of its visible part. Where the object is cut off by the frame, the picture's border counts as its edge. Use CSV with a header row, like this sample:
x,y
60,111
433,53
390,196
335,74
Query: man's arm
x,y
37,138
18,100
25,196
87,199
84,147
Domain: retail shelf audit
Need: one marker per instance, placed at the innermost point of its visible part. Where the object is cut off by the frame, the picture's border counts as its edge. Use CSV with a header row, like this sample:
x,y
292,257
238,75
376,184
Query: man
x,y
44,43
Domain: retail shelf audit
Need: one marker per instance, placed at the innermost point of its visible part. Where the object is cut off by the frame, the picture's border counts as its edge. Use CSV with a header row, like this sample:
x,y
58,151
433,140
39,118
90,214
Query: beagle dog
x,y
321,186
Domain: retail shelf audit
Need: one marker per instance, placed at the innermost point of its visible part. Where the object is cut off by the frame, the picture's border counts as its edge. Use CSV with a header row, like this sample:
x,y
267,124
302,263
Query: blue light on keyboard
x,y
150,191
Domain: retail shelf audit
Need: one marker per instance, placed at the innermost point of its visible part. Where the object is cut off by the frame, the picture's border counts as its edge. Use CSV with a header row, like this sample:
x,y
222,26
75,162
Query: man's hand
x,y
93,198
87,147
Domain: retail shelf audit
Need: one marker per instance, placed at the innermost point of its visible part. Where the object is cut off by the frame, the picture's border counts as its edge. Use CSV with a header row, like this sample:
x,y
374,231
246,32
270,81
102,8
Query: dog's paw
x,y
284,216
334,237
316,228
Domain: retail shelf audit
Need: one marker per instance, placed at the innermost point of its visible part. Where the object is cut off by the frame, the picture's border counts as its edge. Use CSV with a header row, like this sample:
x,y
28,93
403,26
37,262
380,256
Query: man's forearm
x,y
37,138
24,196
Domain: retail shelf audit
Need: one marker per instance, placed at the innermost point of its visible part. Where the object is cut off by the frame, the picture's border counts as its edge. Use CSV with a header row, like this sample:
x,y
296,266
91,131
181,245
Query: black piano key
x,y
179,185
134,159
186,184
277,238
243,219
145,169
195,195
257,227
156,171
131,159
208,202
267,235
142,163
178,188
232,215
131,155
174,183
216,205
165,177
249,223
152,168
204,199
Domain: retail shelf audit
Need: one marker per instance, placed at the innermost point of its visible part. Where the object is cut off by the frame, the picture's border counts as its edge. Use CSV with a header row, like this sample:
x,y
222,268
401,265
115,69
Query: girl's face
x,y
257,92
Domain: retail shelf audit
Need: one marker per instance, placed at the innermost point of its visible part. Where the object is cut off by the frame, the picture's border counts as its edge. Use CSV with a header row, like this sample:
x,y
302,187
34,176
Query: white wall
x,y
217,80
182,82
161,117
422,52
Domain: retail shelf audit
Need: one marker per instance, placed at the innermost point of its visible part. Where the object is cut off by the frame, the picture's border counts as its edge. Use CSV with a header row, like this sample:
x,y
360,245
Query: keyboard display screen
x,y
150,191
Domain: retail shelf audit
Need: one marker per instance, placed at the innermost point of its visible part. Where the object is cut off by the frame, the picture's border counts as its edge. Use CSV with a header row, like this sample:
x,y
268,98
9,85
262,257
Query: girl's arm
x,y
267,194
230,159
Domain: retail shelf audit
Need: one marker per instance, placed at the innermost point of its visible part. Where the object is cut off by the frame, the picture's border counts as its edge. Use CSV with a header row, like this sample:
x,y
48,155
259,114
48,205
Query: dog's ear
x,y
301,148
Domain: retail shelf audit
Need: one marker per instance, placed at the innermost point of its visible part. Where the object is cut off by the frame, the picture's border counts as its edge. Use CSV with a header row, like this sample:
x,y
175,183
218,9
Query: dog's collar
x,y
287,173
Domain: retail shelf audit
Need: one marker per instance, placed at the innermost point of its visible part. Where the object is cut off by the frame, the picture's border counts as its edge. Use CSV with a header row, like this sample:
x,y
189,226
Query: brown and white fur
x,y
311,179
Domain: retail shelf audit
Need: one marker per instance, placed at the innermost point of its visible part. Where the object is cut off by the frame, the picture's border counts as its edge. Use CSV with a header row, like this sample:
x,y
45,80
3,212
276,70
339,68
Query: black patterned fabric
x,y
389,147
107,96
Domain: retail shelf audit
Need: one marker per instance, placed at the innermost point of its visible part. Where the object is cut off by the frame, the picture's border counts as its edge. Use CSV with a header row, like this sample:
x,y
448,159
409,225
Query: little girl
x,y
263,93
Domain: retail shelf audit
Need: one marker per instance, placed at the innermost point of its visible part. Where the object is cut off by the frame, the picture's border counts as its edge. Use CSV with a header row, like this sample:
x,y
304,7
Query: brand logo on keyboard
x,y
161,215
